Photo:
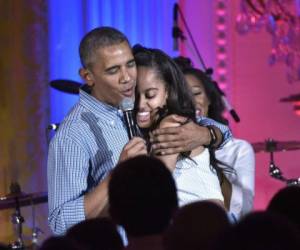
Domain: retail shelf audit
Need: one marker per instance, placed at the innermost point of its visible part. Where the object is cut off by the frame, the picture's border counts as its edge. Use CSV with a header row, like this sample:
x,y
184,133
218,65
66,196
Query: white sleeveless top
x,y
196,180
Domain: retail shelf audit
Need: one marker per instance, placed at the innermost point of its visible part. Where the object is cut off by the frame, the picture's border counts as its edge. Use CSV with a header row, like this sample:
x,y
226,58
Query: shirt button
x,y
112,123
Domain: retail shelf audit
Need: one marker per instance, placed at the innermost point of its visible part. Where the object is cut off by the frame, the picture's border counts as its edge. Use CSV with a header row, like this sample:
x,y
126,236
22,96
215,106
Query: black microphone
x,y
175,32
127,106
227,105
231,110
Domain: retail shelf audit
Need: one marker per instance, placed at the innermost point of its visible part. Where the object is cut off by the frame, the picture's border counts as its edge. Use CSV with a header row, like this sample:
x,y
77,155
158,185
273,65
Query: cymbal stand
x,y
17,220
275,171
35,230
292,182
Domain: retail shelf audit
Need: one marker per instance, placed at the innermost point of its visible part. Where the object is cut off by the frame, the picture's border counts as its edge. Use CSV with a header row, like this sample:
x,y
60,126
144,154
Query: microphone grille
x,y
127,104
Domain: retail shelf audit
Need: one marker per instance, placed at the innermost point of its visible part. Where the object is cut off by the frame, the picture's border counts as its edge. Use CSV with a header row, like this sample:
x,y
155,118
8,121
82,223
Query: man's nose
x,y
125,76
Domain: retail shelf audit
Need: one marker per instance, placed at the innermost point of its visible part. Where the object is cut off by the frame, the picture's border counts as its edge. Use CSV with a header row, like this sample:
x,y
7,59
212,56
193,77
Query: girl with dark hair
x,y
161,91
236,152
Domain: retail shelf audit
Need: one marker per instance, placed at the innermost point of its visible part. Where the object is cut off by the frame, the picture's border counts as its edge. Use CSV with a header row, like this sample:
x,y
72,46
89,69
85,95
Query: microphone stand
x,y
182,38
177,33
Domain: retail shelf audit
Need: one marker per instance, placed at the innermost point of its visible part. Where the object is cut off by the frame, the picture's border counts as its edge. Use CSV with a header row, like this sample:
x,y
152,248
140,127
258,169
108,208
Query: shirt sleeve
x,y
245,169
67,173
227,135
240,156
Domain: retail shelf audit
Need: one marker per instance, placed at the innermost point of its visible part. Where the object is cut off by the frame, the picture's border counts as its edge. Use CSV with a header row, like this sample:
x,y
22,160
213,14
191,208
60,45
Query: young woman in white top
x,y
161,91
237,153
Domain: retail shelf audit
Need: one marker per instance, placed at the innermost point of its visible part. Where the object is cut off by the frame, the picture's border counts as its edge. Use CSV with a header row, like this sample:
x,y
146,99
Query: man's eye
x,y
131,64
112,71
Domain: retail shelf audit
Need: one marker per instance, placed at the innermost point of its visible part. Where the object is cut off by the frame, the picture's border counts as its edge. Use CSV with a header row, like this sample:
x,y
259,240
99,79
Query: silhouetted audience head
x,y
95,234
4,247
261,231
60,243
142,196
196,226
287,203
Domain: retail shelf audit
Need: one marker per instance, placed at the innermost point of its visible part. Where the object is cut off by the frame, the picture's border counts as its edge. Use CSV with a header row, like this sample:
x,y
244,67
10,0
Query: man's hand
x,y
184,138
136,146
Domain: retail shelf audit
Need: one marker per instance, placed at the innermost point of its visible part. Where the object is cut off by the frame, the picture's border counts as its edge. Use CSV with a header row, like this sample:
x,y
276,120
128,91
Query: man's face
x,y
113,74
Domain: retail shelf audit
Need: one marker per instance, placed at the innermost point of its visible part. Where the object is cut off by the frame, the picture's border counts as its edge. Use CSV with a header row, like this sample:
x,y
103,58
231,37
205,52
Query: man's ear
x,y
87,76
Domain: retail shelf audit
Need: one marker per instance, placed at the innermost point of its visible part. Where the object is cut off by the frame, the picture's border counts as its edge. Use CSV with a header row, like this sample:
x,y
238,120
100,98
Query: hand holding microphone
x,y
127,106
136,145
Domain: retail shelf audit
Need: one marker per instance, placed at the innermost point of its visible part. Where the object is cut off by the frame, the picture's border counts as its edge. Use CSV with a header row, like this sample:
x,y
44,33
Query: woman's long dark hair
x,y
216,107
180,100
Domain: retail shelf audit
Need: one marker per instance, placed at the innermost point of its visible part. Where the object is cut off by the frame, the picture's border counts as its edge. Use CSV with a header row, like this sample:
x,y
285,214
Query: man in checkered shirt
x,y
93,138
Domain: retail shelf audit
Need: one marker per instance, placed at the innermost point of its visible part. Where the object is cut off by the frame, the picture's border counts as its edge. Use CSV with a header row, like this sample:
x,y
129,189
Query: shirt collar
x,y
100,109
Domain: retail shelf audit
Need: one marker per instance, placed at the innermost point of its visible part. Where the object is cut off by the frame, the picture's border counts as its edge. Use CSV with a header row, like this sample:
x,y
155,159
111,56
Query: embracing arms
x,y
188,136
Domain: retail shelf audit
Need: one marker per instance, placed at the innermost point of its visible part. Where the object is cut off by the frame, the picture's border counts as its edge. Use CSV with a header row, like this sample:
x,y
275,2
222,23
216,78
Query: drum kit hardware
x,y
295,99
291,98
66,86
17,199
272,146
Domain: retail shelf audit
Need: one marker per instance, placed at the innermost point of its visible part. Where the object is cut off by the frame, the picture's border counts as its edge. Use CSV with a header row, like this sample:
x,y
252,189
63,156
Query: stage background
x,y
39,43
